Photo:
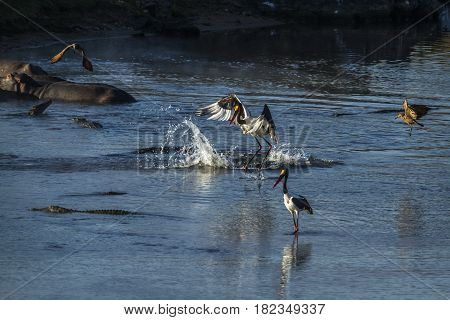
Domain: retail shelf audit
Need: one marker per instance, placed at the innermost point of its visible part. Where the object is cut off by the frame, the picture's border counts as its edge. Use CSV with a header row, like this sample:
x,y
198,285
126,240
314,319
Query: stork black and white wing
x,y
223,109
302,203
268,116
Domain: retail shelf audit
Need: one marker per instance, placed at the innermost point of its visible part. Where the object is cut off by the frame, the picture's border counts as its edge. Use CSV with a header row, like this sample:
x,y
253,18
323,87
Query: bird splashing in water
x,y
231,109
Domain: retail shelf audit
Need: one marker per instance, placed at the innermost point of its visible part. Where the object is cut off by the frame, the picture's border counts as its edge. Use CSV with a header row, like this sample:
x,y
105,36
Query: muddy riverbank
x,y
189,18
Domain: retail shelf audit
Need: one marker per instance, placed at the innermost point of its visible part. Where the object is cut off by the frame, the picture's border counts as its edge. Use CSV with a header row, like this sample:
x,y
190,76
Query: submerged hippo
x,y
62,90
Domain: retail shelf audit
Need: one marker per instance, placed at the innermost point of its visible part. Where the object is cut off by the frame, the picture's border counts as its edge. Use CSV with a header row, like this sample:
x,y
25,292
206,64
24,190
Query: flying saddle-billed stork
x,y
231,109
294,205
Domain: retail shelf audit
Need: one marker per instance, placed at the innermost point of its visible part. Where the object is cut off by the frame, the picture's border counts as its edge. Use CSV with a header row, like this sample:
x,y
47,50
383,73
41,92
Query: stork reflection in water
x,y
293,255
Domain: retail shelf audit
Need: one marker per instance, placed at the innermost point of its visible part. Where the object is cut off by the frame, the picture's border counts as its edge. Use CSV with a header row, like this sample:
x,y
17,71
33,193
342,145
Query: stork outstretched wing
x,y
223,109
264,122
268,116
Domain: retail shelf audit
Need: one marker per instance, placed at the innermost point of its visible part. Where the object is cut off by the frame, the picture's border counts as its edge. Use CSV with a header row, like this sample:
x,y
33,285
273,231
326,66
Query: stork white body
x,y
290,205
293,204
255,126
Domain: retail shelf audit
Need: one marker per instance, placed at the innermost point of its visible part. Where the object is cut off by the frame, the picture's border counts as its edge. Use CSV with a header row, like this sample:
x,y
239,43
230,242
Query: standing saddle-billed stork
x,y
231,109
294,205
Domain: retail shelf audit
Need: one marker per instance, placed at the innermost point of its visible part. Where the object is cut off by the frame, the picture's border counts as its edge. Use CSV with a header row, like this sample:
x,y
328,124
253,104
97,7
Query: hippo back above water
x,y
96,93
61,90
10,66
29,80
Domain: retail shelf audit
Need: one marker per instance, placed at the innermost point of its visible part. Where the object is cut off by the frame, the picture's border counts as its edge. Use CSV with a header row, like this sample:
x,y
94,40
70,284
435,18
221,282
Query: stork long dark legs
x,y
251,159
267,153
295,223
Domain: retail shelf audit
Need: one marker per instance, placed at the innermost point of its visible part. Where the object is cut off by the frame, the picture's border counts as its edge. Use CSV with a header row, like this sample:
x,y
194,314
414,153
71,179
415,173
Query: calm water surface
x,y
205,229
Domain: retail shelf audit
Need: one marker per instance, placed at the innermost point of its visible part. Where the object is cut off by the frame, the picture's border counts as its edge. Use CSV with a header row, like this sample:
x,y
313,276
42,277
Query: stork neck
x,y
285,189
240,117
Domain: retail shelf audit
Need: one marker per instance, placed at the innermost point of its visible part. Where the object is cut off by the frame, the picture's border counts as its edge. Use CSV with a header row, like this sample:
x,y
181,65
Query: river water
x,y
204,228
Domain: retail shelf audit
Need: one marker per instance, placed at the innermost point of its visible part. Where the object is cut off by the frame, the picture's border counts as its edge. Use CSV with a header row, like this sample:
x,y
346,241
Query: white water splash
x,y
196,151
283,154
185,146
204,153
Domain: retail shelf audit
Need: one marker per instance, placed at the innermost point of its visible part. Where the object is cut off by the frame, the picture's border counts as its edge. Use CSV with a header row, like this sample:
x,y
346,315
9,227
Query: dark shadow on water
x,y
93,194
53,246
309,232
206,250
8,156
145,244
